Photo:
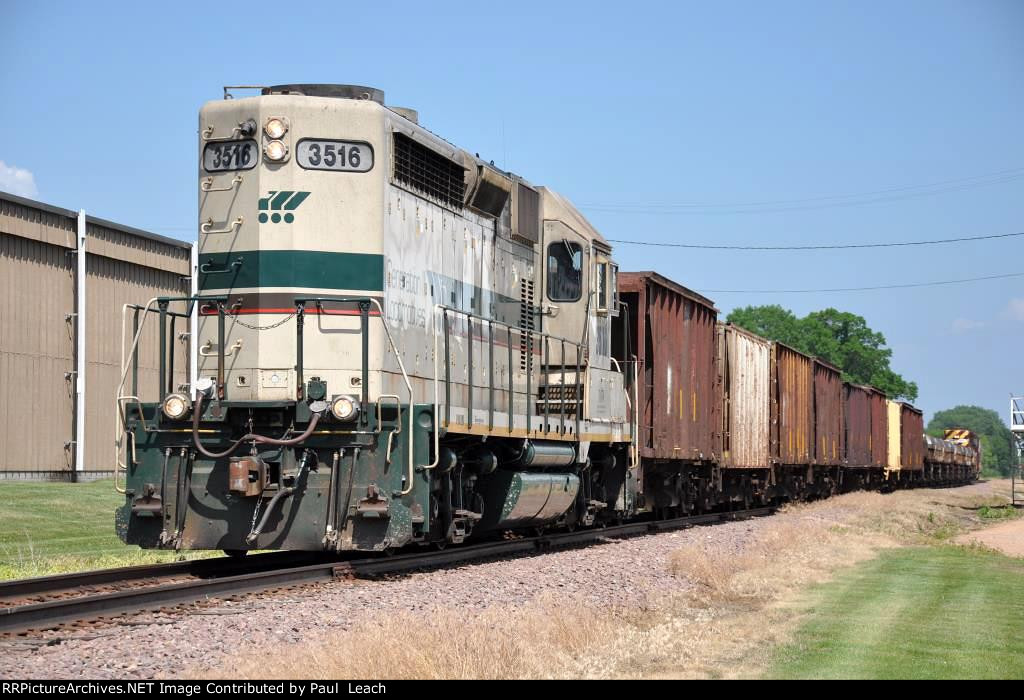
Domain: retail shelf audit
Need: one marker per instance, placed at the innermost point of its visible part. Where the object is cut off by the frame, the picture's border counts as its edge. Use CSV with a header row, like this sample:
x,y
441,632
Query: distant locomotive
x,y
399,343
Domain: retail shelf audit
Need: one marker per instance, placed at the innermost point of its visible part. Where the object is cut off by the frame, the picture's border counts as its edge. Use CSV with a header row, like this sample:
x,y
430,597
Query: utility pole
x,y
1017,472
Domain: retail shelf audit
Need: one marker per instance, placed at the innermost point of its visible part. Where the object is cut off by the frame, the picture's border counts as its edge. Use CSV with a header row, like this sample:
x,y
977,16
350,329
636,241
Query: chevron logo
x,y
278,201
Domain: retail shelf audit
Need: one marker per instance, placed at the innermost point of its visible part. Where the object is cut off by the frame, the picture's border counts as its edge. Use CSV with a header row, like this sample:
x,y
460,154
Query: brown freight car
x,y
911,438
828,414
793,405
672,332
857,409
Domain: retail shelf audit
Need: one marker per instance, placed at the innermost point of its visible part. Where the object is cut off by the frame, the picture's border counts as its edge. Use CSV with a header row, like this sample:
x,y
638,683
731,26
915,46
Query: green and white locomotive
x,y
395,342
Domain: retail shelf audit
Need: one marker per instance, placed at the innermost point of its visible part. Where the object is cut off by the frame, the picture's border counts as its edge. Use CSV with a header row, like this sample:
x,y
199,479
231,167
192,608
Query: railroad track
x,y
47,602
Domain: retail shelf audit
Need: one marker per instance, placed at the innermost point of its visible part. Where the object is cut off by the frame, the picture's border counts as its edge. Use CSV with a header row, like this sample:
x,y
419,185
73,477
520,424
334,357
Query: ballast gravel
x,y
180,643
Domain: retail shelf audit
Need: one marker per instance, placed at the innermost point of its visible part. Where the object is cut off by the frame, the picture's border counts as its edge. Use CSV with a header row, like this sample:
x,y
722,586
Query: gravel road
x,y
154,645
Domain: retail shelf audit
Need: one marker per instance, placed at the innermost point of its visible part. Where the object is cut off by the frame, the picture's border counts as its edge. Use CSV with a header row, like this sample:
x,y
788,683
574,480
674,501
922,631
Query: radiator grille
x,y
428,172
527,322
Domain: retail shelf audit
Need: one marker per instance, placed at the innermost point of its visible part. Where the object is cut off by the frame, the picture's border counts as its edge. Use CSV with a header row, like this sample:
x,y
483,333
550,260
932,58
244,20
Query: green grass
x,y
51,528
998,512
919,612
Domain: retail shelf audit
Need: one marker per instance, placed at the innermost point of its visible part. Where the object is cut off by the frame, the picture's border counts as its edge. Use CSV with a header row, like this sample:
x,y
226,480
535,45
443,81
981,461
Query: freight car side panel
x,y
678,389
911,438
857,420
895,441
745,364
828,414
879,428
794,410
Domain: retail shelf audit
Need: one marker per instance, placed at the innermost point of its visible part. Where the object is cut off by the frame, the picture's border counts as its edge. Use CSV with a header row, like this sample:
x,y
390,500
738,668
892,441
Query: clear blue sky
x,y
715,103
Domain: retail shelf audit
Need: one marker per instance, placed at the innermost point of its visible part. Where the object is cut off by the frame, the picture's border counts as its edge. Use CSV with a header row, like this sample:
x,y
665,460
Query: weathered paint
x,y
828,414
893,461
879,439
745,363
857,423
675,333
911,442
794,405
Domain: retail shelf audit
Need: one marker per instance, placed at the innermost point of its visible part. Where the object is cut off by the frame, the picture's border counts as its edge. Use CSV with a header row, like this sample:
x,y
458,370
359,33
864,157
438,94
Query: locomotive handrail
x,y
207,226
121,429
443,330
207,184
364,307
207,349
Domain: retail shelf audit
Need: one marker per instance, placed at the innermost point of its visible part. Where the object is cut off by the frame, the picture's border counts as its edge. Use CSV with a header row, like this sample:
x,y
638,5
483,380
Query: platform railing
x,y
364,304
210,305
492,332
165,372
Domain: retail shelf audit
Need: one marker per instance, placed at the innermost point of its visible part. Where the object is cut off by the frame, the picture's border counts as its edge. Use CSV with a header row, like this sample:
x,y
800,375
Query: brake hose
x,y
260,439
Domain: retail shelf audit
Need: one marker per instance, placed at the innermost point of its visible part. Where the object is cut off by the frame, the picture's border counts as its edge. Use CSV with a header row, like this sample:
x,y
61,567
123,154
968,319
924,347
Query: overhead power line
x,y
837,246
806,203
861,289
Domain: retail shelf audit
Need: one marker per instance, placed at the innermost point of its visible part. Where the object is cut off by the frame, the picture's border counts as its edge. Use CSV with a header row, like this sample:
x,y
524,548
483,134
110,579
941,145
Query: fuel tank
x,y
518,499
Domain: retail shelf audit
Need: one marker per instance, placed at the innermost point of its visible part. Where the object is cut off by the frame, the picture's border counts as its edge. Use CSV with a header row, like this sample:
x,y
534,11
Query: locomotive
x,y
394,342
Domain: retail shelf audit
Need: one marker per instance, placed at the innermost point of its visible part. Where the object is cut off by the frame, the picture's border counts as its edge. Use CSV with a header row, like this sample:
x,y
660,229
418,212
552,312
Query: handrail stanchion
x,y
162,305
490,374
300,322
447,374
469,372
564,387
364,315
170,356
547,386
511,385
579,391
221,392
529,372
135,353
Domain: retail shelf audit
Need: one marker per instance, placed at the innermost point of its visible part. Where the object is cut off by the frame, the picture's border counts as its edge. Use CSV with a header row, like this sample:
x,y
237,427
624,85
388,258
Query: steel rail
x,y
48,614
201,568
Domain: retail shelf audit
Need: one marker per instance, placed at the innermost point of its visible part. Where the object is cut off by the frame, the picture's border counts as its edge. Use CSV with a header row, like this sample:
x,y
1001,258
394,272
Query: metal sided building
x,y
58,386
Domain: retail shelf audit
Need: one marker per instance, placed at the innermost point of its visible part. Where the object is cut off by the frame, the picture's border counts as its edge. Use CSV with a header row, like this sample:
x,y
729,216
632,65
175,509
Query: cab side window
x,y
565,271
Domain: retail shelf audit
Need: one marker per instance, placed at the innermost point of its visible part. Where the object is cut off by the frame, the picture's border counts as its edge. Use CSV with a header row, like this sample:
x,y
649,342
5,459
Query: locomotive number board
x,y
230,155
328,154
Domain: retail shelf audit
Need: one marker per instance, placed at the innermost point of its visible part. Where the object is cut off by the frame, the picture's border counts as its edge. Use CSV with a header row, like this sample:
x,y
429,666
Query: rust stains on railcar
x,y
828,414
678,392
911,440
793,419
857,422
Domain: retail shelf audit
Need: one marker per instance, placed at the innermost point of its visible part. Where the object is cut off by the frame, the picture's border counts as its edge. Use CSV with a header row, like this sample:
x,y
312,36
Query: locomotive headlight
x,y
275,128
176,406
275,150
345,408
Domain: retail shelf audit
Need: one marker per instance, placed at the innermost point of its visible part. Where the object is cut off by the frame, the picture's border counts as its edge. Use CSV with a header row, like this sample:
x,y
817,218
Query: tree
x,y
838,337
997,452
772,322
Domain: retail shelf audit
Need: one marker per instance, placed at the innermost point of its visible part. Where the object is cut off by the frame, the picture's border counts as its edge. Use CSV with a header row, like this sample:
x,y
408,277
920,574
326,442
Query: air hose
x,y
283,493
259,439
